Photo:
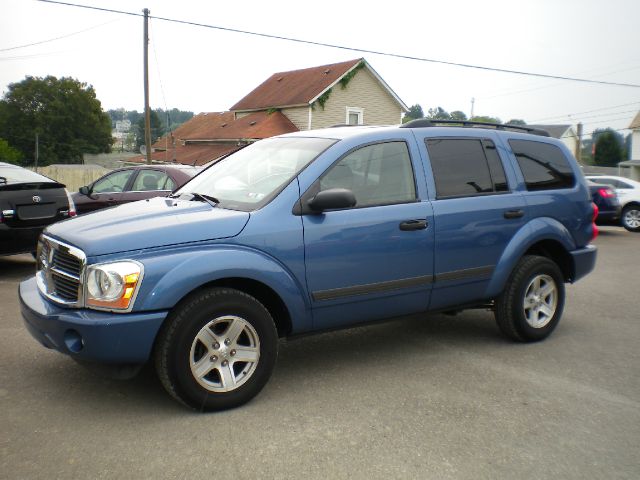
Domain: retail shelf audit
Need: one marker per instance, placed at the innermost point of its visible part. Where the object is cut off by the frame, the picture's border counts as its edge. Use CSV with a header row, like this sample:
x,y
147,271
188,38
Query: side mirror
x,y
85,191
332,199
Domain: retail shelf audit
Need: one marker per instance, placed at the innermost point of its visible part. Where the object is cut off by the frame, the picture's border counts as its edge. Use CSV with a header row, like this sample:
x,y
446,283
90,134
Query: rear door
x,y
477,213
374,260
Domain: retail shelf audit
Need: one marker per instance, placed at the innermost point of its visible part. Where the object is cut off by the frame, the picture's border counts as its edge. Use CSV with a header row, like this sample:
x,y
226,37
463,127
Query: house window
x,y
355,116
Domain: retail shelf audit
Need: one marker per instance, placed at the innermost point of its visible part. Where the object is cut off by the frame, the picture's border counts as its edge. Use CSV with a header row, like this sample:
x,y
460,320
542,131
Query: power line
x,y
353,49
56,38
587,111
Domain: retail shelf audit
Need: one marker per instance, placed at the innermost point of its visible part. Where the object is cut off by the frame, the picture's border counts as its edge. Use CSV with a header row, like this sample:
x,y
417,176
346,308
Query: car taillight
x,y
606,193
595,231
72,206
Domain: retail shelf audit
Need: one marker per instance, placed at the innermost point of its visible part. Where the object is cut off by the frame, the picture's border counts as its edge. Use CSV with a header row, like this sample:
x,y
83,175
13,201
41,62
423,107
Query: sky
x,y
206,69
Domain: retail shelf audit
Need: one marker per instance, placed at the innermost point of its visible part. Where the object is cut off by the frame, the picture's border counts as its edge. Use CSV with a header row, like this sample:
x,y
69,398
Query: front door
x,y
374,260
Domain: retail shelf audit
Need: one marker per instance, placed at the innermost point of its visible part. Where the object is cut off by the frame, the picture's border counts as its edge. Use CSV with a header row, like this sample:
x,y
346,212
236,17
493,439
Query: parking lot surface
x,y
422,397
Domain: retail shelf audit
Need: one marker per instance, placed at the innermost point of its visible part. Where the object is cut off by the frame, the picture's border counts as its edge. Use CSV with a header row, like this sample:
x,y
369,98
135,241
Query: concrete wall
x,y
73,176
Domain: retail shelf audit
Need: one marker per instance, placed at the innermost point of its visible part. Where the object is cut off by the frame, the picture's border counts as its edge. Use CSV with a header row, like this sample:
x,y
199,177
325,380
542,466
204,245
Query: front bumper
x,y
89,335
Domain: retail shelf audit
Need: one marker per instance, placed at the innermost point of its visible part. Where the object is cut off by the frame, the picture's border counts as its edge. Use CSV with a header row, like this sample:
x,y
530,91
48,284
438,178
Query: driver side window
x,y
379,174
114,182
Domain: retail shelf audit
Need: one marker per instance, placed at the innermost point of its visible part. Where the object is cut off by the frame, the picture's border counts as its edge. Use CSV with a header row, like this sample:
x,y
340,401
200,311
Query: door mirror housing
x,y
85,190
332,199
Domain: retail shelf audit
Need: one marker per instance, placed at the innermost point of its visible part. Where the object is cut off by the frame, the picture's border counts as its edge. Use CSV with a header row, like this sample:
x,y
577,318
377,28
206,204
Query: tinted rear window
x,y
465,167
544,166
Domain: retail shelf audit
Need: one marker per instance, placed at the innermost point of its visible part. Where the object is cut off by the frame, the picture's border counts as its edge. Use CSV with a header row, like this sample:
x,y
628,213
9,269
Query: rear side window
x,y
465,167
543,165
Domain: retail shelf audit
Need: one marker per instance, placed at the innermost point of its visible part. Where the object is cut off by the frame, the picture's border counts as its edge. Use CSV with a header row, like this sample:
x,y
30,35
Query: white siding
x,y
635,145
363,92
299,116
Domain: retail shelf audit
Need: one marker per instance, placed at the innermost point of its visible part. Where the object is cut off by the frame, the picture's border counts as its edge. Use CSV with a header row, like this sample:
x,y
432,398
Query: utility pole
x,y
473,101
37,151
579,145
147,112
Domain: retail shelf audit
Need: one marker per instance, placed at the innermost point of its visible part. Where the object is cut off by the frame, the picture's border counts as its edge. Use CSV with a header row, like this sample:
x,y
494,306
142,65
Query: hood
x,y
148,223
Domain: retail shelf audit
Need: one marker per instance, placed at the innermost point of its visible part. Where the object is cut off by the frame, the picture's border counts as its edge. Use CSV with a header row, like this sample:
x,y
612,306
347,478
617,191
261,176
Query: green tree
x,y
608,149
516,121
485,119
64,113
458,115
8,153
438,113
157,129
415,112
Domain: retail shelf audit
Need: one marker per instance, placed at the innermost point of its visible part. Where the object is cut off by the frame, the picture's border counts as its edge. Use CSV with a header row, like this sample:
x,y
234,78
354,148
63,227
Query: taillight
x,y
595,231
72,206
606,192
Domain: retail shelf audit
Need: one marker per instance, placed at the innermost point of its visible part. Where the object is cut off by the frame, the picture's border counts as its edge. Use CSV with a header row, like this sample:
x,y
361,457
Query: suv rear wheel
x,y
531,305
217,350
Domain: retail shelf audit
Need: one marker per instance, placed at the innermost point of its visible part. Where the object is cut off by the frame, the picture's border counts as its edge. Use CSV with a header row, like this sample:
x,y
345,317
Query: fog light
x,y
73,340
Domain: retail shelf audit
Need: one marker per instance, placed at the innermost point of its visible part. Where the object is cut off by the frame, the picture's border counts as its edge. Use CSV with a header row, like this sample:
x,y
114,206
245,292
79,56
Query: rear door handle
x,y
514,214
413,225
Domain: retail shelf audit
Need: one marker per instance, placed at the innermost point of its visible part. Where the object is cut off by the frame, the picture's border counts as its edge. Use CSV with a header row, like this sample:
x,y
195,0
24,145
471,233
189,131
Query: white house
x,y
634,163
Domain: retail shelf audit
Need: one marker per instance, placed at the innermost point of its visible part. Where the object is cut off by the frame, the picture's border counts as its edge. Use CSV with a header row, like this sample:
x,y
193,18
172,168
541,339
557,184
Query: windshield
x,y
253,176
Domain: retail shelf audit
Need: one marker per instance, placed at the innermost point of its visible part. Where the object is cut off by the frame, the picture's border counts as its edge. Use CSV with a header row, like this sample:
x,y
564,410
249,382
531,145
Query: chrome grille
x,y
65,262
60,270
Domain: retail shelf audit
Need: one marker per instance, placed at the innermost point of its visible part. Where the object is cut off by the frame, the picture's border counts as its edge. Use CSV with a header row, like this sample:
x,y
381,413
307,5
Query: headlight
x,y
113,285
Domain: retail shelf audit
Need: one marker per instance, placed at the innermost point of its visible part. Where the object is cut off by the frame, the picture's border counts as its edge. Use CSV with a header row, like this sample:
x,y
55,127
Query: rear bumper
x,y
607,217
88,335
18,240
584,261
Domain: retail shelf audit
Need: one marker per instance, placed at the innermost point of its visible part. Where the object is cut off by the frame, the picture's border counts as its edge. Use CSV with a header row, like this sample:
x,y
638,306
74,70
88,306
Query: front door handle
x,y
513,214
413,225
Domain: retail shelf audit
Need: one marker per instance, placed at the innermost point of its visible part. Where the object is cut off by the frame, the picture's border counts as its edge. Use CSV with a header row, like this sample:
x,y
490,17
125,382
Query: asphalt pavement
x,y
425,397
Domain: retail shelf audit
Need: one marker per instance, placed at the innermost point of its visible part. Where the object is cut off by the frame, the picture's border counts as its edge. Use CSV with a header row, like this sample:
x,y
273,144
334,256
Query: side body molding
x,y
174,276
537,230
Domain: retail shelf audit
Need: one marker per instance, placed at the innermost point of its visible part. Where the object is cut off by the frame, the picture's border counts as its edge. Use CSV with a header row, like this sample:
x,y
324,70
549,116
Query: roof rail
x,y
427,122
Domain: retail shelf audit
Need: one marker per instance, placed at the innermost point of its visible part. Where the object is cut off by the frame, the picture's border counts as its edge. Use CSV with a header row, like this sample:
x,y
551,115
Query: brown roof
x,y
636,122
198,123
190,154
208,136
297,87
253,126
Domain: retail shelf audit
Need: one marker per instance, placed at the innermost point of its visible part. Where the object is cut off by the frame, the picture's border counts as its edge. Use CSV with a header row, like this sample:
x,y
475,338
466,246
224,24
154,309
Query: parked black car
x,y
28,203
130,184
606,200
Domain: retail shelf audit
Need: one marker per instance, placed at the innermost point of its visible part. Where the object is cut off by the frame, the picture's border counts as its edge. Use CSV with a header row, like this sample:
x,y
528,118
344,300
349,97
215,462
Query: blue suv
x,y
313,231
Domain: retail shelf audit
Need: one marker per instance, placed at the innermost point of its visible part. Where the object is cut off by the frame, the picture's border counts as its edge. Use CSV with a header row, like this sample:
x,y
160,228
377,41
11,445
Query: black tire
x,y
536,319
630,218
194,335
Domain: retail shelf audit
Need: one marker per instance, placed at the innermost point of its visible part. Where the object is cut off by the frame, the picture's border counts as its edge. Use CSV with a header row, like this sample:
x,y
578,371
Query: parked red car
x,y
130,184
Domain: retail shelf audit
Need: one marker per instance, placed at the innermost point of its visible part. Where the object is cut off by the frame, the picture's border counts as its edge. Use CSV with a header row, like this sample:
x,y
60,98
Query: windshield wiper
x,y
213,201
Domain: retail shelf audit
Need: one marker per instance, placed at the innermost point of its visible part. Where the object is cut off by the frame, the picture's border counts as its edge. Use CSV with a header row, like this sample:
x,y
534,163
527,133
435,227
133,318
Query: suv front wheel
x,y
531,305
217,349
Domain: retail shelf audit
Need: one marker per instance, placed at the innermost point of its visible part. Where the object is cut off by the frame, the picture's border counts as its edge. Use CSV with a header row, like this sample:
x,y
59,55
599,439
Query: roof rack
x,y
426,122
